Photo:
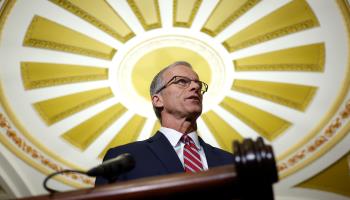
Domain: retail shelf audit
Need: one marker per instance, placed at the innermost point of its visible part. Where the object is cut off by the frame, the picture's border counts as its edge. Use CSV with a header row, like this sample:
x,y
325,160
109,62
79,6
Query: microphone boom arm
x,y
50,190
110,169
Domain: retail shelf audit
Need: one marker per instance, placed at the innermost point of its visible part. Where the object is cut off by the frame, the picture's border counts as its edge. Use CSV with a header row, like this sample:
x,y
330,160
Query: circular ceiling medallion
x,y
141,63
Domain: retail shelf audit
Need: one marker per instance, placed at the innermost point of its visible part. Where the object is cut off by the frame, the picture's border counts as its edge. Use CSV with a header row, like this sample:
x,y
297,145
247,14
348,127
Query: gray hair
x,y
158,82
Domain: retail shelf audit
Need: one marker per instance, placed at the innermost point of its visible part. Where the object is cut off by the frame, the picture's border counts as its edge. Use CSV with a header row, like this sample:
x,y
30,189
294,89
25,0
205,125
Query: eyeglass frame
x,y
201,83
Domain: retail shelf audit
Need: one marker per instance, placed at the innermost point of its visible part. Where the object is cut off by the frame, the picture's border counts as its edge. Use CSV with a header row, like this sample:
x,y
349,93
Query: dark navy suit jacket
x,y
156,156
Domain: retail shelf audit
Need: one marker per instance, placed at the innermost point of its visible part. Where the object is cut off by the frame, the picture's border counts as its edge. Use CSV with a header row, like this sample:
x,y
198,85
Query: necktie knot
x,y
187,140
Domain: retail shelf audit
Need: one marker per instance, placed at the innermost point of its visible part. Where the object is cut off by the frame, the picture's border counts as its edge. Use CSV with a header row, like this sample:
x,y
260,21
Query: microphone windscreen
x,y
114,167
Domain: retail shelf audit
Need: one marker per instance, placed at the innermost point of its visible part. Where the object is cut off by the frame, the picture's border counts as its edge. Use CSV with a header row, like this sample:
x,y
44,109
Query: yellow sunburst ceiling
x,y
75,74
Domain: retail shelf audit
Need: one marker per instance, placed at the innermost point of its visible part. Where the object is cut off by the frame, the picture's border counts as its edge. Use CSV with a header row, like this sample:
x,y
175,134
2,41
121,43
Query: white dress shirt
x,y
174,138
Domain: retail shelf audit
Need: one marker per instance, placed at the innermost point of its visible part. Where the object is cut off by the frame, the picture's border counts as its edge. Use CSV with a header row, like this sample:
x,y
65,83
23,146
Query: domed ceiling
x,y
75,77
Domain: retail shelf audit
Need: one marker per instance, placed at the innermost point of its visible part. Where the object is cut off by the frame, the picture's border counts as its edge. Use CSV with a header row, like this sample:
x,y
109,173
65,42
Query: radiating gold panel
x,y
291,95
129,133
21,128
223,132
302,58
85,133
100,14
44,33
184,12
265,123
147,12
290,18
225,12
38,75
56,109
334,179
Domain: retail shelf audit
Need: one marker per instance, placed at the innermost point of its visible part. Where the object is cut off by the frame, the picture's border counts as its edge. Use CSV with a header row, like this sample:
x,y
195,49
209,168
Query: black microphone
x,y
110,169
113,167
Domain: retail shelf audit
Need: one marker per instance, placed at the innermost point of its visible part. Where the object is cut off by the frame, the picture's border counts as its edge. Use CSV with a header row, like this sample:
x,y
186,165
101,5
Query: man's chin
x,y
195,113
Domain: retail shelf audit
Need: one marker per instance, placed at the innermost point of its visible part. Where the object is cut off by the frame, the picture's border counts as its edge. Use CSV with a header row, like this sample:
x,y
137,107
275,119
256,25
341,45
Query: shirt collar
x,y
174,136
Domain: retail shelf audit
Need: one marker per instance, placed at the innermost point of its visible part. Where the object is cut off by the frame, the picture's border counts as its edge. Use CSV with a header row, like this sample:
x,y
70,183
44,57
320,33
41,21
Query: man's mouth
x,y
194,97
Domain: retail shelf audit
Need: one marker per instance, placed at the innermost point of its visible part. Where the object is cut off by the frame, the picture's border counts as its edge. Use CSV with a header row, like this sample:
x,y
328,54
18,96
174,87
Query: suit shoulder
x,y
126,148
219,151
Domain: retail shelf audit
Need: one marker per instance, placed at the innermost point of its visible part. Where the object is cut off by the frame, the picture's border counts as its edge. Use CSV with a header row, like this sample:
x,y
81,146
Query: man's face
x,y
180,101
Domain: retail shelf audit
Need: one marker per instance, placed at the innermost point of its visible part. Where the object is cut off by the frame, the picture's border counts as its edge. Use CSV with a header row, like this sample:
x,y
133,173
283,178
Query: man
x,y
177,95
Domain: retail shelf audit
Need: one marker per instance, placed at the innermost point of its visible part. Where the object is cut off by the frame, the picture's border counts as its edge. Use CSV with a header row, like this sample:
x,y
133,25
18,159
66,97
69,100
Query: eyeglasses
x,y
184,82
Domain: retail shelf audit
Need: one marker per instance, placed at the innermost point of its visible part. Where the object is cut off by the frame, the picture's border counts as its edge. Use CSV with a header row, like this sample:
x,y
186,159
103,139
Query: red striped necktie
x,y
192,159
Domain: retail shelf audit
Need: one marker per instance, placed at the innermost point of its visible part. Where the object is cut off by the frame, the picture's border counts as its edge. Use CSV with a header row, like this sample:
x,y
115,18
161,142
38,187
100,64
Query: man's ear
x,y
157,101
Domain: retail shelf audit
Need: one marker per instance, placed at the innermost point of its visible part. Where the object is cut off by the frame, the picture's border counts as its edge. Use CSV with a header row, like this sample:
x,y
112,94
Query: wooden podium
x,y
250,177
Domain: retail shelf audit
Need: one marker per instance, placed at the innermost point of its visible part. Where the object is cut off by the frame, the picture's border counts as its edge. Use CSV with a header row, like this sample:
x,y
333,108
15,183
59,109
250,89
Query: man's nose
x,y
195,85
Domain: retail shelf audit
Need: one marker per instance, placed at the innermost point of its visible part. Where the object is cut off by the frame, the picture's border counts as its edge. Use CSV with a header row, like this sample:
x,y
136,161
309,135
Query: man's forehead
x,y
180,70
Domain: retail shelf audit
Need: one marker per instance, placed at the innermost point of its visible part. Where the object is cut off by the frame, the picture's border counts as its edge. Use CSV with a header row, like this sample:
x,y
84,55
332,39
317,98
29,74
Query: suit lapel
x,y
165,152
